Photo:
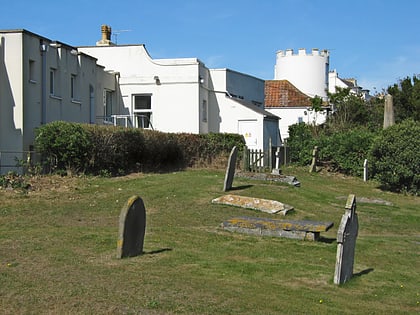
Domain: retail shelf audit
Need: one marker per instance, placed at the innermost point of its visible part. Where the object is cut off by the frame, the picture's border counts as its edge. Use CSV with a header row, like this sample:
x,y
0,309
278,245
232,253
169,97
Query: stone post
x,y
389,119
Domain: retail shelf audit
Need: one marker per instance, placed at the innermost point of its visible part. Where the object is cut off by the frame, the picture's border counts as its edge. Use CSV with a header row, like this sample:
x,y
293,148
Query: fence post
x,y
246,159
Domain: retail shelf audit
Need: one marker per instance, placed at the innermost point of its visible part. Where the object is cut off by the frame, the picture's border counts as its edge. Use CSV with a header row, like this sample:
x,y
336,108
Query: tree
x,y
406,98
349,110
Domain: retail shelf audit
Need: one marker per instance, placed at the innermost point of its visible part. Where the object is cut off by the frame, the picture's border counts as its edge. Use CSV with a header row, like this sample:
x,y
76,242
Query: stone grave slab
x,y
264,205
132,227
230,169
295,229
346,242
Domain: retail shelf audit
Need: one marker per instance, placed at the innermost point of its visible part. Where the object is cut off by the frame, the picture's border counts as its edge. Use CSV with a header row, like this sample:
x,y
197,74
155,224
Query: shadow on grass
x,y
363,272
326,240
241,187
158,251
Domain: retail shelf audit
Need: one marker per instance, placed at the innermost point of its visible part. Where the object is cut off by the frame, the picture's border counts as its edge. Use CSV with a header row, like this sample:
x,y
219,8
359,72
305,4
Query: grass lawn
x,y
58,248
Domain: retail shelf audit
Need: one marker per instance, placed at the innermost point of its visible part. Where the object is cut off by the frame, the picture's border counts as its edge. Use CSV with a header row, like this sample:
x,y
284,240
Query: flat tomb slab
x,y
295,229
265,205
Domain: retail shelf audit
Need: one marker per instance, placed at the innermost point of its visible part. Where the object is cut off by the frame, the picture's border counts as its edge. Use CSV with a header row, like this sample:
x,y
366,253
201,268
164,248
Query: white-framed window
x,y
142,110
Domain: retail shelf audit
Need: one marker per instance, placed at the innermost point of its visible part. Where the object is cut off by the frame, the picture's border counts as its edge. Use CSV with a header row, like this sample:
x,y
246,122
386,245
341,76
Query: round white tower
x,y
306,71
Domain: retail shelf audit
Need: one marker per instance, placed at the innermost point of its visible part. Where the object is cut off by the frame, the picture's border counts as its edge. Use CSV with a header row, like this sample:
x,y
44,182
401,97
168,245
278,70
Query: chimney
x,y
106,36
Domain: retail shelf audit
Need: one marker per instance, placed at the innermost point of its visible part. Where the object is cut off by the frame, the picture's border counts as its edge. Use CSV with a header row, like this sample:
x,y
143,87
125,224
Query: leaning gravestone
x,y
230,170
346,242
132,228
312,168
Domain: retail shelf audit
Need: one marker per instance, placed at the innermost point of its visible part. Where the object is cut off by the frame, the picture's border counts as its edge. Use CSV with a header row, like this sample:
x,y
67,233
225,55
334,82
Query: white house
x,y
183,95
335,81
42,81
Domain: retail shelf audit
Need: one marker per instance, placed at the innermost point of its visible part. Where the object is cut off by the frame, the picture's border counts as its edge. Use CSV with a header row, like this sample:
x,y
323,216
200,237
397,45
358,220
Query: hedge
x,y
97,149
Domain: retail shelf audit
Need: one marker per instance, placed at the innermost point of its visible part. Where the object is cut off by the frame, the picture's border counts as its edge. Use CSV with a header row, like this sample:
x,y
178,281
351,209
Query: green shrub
x,y
301,143
63,145
114,150
109,150
395,157
346,151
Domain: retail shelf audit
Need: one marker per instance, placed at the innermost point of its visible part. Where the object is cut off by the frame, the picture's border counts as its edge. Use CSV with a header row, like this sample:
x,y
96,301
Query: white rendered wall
x,y
293,115
307,71
175,96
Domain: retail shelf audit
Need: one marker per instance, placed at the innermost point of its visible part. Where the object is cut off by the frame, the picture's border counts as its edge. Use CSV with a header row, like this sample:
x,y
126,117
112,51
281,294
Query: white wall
x,y
293,115
175,96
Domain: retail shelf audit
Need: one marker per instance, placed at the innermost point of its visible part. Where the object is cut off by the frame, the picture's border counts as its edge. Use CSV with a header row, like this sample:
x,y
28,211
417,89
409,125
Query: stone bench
x,y
302,230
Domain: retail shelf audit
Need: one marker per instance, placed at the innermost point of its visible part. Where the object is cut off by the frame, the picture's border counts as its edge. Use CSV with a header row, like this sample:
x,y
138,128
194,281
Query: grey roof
x,y
254,107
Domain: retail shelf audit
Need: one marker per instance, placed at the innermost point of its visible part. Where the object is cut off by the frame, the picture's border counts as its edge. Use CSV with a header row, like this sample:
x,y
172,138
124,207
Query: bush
x,y
346,151
301,143
342,151
395,157
64,146
114,149
110,150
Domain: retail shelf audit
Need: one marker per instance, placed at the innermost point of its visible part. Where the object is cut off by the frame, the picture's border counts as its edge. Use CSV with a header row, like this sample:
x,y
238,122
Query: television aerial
x,y
118,32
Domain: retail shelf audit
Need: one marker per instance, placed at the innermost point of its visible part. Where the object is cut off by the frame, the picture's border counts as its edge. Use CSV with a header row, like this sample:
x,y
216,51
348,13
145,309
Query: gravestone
x,y
389,119
264,205
346,242
132,227
276,170
230,170
312,168
365,170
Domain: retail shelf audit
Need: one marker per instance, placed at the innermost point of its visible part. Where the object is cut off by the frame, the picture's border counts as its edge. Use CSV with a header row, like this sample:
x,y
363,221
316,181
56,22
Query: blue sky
x,y
375,41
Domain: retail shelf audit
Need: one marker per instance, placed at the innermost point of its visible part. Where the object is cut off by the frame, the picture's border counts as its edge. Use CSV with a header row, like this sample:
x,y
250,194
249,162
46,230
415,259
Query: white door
x,y
248,128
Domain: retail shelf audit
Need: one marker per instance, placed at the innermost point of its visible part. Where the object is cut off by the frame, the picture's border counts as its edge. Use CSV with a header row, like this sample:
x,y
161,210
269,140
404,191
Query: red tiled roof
x,y
282,93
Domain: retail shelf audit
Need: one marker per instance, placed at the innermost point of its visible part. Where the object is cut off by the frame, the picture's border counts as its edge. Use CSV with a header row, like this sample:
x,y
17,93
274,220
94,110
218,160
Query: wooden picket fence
x,y
260,161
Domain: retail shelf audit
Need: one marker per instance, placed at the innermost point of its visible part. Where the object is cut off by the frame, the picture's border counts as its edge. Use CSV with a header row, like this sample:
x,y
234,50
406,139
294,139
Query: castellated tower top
x,y
307,71
303,52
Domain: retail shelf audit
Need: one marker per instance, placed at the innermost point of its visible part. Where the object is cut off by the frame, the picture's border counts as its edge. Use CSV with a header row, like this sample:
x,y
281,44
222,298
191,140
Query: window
x,y
108,103
142,110
204,111
52,81
32,71
73,87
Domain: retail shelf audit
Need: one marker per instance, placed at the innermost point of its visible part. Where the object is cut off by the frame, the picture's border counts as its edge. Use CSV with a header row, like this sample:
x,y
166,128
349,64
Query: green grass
x,y
58,249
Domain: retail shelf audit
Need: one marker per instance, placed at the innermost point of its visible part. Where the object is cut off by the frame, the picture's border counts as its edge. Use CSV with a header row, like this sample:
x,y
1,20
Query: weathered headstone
x,y
276,170
264,205
132,228
230,170
389,119
346,242
312,168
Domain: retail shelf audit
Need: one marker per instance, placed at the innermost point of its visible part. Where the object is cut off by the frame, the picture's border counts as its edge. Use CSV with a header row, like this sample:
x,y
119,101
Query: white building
x,y
42,81
183,95
351,84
